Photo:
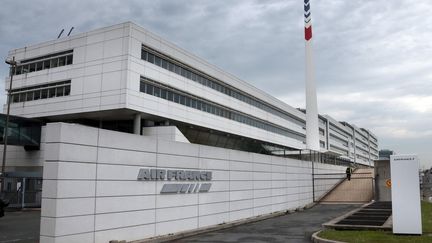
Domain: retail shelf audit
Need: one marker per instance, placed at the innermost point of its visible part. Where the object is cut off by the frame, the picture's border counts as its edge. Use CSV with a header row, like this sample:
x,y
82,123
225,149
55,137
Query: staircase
x,y
359,189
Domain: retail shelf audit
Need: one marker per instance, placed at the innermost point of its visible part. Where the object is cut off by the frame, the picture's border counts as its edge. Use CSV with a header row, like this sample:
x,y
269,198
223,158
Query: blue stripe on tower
x,y
306,1
307,15
307,21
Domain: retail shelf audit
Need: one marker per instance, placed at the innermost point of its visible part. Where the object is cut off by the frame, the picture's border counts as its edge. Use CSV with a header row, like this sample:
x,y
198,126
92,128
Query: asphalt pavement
x,y
23,227
295,227
20,227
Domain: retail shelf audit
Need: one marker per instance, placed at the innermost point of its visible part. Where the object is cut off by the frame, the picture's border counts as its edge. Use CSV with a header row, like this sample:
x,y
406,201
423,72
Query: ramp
x,y
360,189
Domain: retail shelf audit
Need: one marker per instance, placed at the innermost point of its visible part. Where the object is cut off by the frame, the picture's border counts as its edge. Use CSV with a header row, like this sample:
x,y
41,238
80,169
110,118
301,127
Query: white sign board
x,y
405,192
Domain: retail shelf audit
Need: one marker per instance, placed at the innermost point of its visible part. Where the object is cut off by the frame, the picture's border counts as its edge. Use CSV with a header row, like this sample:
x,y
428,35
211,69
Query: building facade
x,y
125,78
120,100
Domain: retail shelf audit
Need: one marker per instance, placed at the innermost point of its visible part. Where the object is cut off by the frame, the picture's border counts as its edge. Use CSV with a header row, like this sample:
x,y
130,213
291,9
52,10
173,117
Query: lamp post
x,y
12,63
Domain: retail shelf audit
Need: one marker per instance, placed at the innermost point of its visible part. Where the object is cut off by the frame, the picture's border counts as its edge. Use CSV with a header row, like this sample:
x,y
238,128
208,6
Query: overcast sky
x,y
373,58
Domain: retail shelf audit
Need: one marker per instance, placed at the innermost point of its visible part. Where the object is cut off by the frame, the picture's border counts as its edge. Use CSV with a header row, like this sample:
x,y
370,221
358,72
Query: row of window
x,y
339,150
160,60
344,143
46,62
153,88
38,92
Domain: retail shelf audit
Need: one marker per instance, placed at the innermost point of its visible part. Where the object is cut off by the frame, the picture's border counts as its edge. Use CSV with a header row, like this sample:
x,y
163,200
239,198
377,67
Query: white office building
x,y
119,100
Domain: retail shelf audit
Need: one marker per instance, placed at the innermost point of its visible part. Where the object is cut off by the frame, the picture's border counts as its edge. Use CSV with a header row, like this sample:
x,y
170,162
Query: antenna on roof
x,y
61,32
70,31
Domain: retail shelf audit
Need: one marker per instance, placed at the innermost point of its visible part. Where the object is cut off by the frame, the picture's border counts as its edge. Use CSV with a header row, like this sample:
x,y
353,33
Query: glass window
x,y
188,74
170,96
36,94
176,98
67,90
15,98
182,100
164,64
44,93
54,63
149,89
188,101
194,103
151,58
25,69
62,61
51,92
163,93
193,76
39,66
156,91
18,70
158,61
29,96
69,60
142,87
143,55
22,97
183,72
178,70
171,67
32,67
59,91
46,64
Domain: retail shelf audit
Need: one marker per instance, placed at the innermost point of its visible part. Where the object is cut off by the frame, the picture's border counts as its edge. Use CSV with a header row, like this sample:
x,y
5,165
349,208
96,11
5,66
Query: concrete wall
x,y
91,192
382,174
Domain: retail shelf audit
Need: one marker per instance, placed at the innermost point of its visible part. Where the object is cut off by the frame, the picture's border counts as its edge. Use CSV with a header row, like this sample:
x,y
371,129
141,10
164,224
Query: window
x,y
67,90
46,64
151,58
44,93
15,98
62,61
18,70
69,60
54,63
29,96
51,92
59,91
39,66
158,61
197,76
170,94
32,67
36,95
41,91
22,97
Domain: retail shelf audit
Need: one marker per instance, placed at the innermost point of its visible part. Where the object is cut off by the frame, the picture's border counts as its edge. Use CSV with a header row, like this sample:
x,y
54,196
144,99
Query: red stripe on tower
x,y
308,33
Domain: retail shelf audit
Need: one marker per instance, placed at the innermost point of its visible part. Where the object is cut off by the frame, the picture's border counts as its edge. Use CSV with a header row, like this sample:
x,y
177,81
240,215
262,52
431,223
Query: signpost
x,y
405,194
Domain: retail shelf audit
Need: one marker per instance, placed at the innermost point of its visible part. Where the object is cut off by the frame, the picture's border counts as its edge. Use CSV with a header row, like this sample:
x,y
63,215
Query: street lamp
x,y
12,63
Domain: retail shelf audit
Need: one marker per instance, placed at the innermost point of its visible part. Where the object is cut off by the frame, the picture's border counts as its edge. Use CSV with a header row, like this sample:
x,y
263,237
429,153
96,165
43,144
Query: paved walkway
x,y
20,227
296,227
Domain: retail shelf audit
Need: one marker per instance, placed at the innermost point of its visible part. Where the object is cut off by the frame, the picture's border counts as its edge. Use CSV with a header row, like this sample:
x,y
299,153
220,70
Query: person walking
x,y
348,172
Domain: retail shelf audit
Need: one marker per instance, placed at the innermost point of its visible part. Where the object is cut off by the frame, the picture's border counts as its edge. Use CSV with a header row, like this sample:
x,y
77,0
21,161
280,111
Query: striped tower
x,y
312,132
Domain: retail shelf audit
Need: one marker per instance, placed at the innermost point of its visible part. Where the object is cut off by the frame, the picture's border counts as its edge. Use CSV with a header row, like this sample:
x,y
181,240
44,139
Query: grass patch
x,y
384,236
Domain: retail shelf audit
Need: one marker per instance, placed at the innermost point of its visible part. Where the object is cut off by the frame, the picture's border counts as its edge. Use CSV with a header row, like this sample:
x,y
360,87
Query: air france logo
x,y
178,175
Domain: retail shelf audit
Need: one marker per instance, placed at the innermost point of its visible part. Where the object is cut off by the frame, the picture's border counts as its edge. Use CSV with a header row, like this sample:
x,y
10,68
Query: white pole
x,y
312,132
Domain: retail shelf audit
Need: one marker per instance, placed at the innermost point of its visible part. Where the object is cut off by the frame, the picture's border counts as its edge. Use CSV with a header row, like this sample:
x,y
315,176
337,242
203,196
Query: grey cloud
x,y
373,47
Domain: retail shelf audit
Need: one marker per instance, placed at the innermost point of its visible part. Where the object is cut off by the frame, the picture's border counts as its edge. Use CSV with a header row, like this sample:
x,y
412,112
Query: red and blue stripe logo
x,y
308,23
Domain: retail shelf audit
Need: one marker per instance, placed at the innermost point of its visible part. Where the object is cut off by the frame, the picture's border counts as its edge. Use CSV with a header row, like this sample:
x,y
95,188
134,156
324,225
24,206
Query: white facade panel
x,y
116,204
405,193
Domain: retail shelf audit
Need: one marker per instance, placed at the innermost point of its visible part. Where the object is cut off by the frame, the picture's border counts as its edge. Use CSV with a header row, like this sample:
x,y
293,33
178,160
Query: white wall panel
x,y
96,182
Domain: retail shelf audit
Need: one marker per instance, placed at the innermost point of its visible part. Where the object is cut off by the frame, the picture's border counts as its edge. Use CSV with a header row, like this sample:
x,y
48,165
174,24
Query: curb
x,y
316,239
